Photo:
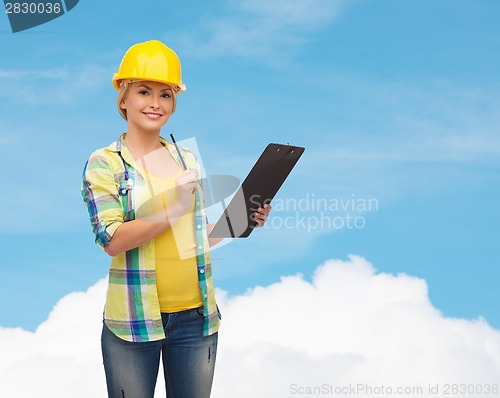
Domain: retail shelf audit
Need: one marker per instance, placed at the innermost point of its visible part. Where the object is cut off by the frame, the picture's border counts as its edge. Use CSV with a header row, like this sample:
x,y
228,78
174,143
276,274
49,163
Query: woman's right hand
x,y
186,185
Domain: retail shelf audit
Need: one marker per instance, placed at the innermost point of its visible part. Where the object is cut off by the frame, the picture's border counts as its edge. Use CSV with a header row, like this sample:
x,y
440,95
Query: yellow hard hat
x,y
151,60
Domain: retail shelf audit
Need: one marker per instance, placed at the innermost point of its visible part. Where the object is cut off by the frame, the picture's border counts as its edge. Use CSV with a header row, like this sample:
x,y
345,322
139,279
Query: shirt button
x,y
198,226
202,271
205,295
200,247
102,222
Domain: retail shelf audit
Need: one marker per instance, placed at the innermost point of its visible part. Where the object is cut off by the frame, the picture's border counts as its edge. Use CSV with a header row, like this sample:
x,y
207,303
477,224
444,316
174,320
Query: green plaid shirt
x,y
115,192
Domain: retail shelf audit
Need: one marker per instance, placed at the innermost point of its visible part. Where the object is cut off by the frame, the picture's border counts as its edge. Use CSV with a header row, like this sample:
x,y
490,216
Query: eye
x,y
166,95
143,92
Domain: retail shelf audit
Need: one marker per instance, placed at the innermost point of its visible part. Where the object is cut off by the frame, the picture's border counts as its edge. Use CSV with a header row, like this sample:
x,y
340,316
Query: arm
x,y
132,234
135,233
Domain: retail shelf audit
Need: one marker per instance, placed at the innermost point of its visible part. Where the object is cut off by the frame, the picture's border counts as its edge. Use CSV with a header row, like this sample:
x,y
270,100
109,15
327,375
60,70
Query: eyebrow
x,y
149,88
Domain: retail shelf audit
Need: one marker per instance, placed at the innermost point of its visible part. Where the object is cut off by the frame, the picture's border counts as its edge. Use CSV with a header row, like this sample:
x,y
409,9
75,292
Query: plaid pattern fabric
x,y
115,192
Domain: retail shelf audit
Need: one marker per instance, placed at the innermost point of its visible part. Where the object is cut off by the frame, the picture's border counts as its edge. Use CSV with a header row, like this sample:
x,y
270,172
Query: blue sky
x,y
394,101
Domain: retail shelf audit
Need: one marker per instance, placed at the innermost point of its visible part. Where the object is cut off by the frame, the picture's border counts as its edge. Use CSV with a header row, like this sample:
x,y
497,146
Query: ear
x,y
122,104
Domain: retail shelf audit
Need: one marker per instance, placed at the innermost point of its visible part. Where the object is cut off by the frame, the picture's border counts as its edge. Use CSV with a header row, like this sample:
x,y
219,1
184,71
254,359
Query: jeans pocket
x,y
199,312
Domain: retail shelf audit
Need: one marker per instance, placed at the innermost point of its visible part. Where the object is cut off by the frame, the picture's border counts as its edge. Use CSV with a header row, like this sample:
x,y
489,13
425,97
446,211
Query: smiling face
x,y
148,105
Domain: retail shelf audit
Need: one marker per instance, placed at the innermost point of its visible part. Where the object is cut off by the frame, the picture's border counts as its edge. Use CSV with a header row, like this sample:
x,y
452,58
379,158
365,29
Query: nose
x,y
154,103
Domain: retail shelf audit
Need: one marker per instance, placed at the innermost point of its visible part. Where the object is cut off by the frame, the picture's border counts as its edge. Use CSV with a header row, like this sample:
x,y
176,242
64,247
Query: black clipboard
x,y
260,186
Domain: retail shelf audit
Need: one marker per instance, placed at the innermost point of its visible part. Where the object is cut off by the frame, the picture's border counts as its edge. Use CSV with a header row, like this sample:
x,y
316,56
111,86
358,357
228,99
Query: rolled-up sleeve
x,y
100,194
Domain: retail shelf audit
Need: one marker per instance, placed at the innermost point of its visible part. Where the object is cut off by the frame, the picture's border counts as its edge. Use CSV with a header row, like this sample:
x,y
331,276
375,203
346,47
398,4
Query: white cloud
x,y
62,357
61,85
53,74
305,13
261,30
434,120
404,138
349,326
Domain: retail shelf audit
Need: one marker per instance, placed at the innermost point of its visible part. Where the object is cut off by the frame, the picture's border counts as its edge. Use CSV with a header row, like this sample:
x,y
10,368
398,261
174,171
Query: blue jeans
x,y
188,360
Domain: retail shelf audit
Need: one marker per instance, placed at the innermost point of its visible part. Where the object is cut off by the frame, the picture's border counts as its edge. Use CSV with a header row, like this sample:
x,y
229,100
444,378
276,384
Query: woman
x,y
147,212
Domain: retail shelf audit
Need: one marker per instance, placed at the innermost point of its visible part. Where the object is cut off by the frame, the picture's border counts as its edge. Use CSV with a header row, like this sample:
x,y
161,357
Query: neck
x,y
141,143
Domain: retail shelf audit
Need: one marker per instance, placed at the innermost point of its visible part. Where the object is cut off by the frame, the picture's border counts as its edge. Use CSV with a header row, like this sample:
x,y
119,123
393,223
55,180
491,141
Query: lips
x,y
152,115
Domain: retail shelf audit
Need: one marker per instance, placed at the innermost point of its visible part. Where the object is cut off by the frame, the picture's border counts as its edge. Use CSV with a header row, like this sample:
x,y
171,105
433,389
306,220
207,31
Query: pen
x,y
178,152
181,158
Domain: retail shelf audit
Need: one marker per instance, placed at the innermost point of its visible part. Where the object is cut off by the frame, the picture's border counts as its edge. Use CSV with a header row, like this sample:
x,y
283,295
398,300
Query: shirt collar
x,y
120,146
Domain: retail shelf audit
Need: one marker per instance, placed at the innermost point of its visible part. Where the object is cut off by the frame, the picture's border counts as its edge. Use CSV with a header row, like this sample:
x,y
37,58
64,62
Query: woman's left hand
x,y
260,216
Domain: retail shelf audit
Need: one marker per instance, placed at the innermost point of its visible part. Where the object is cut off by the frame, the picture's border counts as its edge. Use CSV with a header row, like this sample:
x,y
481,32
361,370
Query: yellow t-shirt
x,y
176,269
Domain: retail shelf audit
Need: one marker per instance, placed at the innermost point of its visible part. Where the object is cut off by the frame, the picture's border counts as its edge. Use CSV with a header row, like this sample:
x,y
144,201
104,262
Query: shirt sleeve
x,y
100,194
